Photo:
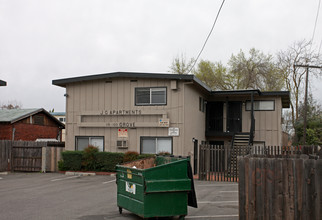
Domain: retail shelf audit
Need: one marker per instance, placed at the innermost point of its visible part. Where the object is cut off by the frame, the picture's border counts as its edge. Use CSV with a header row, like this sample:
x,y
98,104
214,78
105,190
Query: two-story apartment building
x,y
152,113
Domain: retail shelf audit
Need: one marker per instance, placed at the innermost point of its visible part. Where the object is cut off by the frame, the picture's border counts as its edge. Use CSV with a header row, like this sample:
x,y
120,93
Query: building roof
x,y
58,113
3,83
13,115
285,95
193,78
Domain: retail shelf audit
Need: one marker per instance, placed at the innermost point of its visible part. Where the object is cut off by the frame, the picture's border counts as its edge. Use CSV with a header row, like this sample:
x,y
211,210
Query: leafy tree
x,y
314,124
313,132
180,65
257,71
213,74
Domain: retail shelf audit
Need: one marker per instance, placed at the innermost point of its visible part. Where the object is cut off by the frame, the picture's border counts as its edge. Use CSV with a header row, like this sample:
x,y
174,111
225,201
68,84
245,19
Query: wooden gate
x,y
27,156
30,156
219,162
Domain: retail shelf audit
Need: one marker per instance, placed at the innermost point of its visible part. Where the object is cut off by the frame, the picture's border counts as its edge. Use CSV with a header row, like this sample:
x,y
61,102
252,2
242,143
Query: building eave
x,y
132,75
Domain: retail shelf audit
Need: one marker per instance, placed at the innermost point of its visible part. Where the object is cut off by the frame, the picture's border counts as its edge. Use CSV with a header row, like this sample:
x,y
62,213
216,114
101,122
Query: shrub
x,y
92,160
130,156
106,161
71,160
89,158
164,153
142,156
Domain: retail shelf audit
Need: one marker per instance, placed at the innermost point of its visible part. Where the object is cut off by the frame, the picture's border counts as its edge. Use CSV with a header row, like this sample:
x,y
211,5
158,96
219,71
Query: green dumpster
x,y
160,186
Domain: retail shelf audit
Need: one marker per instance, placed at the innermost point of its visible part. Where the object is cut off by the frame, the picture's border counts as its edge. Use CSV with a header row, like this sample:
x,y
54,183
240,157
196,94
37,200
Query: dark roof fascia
x,y
236,92
35,112
64,82
285,95
3,83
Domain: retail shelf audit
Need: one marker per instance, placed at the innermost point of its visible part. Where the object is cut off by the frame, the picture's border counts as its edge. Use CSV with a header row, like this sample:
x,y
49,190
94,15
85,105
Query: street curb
x,y
87,173
3,173
79,174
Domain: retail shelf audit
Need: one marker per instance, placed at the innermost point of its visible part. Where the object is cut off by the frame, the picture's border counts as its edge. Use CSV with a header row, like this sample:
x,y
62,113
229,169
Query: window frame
x,y
76,141
155,138
150,95
248,101
202,104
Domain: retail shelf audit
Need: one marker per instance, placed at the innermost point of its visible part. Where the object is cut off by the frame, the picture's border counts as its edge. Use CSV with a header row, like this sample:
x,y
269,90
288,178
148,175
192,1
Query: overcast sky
x,y
45,40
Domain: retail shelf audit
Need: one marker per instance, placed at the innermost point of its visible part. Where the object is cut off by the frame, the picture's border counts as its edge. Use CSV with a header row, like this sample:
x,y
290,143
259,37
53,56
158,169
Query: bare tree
x,y
180,65
12,105
298,53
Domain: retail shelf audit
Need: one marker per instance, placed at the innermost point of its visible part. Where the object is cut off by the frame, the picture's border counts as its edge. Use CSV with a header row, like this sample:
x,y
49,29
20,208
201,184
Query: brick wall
x,y
30,132
5,132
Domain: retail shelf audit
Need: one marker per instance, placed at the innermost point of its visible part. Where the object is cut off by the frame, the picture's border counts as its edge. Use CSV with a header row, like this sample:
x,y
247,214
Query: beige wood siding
x,y
267,123
119,94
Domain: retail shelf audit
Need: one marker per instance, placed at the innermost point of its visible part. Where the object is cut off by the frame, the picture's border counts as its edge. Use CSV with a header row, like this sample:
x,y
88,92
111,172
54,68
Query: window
x,y
83,142
202,103
155,145
150,96
39,120
261,105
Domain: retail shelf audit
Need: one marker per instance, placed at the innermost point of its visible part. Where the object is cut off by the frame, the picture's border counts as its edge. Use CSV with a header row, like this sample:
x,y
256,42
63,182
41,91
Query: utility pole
x,y
305,98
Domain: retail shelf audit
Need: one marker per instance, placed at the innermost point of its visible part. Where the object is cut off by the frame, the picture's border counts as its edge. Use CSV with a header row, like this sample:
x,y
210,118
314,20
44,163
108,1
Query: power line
x,y
316,20
212,28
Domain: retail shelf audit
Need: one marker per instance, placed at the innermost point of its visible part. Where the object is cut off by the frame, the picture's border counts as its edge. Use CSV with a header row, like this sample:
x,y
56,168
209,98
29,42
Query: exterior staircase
x,y
240,144
241,139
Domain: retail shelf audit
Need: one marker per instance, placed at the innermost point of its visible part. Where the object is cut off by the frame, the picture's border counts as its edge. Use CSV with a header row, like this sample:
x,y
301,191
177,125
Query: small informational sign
x,y
129,174
173,132
122,133
130,187
164,122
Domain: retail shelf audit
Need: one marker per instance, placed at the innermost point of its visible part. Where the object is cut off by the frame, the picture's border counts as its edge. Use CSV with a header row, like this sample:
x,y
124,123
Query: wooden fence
x,y
30,156
280,187
219,163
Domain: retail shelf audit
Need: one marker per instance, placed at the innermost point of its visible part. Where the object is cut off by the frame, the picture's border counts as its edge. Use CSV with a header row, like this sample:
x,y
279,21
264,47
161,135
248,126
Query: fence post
x,y
43,159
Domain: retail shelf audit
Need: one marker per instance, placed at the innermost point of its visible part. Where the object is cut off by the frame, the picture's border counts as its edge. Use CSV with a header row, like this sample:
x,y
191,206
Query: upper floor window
x,y
151,96
261,105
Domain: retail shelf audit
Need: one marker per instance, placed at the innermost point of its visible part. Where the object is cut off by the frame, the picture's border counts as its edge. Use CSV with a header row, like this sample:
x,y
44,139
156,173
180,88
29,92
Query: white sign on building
x,y
173,131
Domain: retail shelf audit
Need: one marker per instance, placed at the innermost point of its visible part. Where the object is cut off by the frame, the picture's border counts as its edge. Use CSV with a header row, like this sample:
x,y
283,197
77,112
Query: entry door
x,y
234,119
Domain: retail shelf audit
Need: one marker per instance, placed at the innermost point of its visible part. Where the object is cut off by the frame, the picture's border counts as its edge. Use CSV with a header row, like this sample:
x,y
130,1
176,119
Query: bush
x,y
89,158
71,160
106,161
92,160
142,156
130,156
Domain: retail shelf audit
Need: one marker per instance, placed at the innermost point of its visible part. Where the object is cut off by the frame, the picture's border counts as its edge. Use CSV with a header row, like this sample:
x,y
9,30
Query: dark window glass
x,y
150,96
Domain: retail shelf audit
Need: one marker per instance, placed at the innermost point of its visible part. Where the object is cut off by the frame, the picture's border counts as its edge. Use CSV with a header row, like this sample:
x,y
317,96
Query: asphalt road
x,y
56,196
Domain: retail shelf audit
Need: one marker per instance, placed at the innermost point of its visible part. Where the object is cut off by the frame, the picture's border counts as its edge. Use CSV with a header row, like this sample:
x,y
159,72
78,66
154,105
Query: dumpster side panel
x,y
174,170
167,185
165,204
130,189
